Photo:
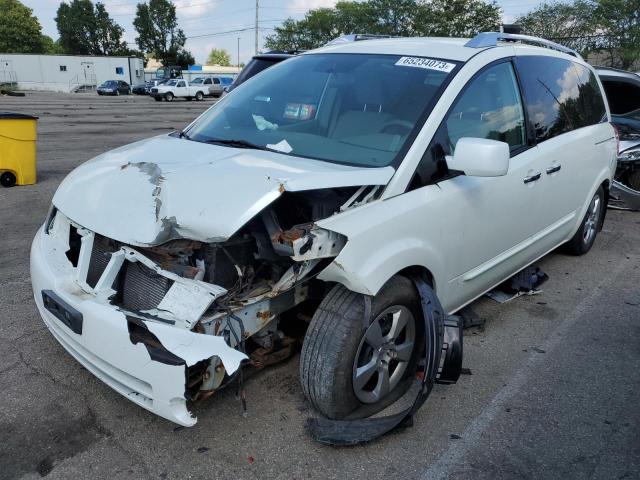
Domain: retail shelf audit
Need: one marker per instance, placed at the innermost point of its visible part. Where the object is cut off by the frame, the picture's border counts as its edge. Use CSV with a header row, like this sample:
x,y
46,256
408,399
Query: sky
x,y
215,23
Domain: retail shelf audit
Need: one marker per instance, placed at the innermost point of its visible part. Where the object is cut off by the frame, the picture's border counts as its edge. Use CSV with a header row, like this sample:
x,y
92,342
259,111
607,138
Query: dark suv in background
x,y
259,63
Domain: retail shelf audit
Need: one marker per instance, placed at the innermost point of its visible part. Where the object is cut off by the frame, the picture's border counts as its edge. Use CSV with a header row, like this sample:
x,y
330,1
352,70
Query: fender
x,y
364,266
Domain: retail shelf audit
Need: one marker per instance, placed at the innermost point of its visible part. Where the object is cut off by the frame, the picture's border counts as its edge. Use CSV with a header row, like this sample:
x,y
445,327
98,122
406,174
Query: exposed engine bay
x,y
237,289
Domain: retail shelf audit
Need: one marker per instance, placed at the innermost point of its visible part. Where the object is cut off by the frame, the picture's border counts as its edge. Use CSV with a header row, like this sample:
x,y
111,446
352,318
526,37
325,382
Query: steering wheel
x,y
402,124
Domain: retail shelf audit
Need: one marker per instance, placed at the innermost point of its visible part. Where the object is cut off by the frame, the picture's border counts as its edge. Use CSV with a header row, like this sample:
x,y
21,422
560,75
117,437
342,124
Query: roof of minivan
x,y
447,48
435,47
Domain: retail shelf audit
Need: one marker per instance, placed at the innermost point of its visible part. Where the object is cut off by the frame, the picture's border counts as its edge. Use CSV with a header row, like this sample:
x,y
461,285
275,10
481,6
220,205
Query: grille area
x,y
141,288
100,255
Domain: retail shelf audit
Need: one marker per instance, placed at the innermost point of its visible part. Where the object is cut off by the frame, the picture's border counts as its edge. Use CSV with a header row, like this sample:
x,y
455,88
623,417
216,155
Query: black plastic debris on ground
x,y
525,282
470,318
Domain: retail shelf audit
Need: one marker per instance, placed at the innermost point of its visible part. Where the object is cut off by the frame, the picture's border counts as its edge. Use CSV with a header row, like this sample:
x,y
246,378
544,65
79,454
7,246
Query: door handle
x,y
554,169
533,178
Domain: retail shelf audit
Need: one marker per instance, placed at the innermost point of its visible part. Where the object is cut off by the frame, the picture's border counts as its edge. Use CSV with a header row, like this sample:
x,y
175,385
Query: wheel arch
x,y
366,274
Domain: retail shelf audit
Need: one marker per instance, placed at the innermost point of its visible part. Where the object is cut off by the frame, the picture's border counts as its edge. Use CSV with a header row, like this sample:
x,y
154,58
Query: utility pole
x,y
257,7
238,55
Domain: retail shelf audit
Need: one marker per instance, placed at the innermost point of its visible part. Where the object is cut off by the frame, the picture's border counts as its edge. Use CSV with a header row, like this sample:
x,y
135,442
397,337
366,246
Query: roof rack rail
x,y
490,39
356,37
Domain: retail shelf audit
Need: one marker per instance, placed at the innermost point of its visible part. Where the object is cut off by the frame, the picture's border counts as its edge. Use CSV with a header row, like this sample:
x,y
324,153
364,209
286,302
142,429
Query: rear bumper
x,y
105,345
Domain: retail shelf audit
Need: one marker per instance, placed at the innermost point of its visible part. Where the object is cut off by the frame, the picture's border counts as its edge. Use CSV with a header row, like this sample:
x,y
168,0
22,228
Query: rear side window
x,y
590,102
216,81
560,95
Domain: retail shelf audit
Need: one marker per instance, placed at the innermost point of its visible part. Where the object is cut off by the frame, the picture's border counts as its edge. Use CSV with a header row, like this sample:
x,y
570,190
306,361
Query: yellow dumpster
x,y
17,149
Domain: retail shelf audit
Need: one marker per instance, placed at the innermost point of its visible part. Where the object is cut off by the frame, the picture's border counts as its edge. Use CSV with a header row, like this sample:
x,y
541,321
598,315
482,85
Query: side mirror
x,y
480,157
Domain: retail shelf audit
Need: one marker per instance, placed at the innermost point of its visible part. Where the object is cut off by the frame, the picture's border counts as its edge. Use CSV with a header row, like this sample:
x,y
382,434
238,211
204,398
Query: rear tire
x,y
7,179
584,238
199,96
341,373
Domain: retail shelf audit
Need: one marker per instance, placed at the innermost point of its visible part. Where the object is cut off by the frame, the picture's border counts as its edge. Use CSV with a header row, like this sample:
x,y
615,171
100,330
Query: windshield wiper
x,y
236,143
182,134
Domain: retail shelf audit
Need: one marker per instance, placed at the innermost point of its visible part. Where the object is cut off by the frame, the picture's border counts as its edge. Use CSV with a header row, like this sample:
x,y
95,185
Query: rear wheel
x,y
350,368
169,97
199,96
7,179
584,238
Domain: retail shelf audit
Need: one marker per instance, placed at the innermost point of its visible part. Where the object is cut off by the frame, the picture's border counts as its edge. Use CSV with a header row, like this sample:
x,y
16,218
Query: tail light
x,y
617,134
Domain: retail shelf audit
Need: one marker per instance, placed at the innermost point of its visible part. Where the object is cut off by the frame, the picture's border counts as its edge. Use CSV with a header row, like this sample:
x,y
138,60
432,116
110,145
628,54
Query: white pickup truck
x,y
178,88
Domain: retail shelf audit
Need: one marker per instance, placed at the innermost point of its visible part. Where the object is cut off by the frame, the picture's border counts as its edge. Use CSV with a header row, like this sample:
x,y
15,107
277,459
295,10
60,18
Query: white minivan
x,y
317,205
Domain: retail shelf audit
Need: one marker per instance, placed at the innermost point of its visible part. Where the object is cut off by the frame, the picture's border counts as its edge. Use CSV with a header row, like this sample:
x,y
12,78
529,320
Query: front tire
x,y
352,367
169,97
584,238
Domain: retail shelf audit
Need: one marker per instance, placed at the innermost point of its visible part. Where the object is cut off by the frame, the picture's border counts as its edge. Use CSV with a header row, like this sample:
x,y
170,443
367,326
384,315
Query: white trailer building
x,y
67,73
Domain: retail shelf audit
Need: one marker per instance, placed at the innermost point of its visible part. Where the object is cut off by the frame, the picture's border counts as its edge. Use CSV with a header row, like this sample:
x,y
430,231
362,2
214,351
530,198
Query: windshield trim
x,y
419,125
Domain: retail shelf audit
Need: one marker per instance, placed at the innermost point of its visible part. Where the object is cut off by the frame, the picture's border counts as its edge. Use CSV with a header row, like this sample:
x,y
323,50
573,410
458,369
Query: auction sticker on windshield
x,y
428,63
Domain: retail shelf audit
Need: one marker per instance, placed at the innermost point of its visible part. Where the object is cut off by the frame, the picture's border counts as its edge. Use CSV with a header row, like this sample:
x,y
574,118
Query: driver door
x,y
490,221
181,88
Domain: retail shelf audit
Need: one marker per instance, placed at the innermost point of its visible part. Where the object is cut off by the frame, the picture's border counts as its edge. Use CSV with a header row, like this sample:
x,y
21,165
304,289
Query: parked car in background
x,y
140,89
205,82
623,94
218,84
370,186
178,88
257,64
114,87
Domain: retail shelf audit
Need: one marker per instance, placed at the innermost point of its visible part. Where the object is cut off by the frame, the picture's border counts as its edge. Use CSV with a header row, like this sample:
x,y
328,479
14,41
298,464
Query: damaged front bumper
x,y
151,373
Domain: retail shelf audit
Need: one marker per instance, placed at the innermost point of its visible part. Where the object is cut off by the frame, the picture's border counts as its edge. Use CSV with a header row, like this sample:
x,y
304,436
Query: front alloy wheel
x,y
360,354
384,354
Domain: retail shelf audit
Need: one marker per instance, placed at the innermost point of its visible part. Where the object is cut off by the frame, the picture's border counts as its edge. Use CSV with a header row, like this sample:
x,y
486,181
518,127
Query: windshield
x,y
197,80
171,83
109,83
355,109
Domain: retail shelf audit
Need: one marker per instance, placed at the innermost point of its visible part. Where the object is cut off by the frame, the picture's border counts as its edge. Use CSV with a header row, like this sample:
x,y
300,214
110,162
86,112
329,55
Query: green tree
x,y
86,29
620,22
184,58
20,31
219,56
51,47
570,24
458,18
158,32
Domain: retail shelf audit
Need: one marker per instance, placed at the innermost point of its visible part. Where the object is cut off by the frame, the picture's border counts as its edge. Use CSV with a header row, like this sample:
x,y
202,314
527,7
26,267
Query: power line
x,y
228,32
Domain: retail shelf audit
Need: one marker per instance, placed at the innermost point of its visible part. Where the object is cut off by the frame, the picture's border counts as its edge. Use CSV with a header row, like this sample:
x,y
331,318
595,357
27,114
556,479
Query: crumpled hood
x,y
165,188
